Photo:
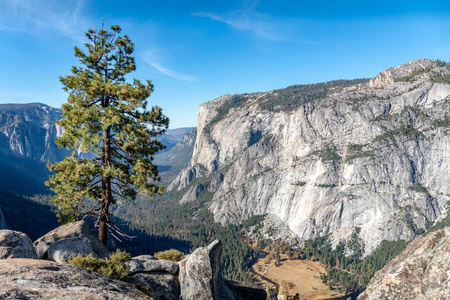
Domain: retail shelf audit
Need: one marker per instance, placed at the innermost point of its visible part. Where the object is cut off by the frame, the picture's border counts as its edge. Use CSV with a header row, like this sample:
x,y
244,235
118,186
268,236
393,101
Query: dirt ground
x,y
297,276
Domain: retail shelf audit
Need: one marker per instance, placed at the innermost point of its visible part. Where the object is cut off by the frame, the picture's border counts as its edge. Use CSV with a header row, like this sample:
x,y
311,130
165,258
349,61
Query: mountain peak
x,y
389,75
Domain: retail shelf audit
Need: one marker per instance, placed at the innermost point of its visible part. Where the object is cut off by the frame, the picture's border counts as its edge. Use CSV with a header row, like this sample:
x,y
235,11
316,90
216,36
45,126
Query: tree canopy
x,y
109,130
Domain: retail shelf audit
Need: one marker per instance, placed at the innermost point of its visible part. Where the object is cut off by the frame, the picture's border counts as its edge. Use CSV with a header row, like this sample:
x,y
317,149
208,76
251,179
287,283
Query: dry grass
x,y
297,276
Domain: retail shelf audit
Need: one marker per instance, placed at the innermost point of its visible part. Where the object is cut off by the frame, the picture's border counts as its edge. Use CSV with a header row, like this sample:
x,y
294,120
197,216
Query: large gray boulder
x,y
15,244
69,240
421,271
40,279
2,220
149,263
156,278
200,275
66,249
158,285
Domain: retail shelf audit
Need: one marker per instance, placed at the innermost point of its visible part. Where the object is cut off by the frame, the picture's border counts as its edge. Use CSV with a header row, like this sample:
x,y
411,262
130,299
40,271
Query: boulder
x,y
421,271
149,263
69,240
246,291
40,279
158,285
200,275
15,244
64,250
156,278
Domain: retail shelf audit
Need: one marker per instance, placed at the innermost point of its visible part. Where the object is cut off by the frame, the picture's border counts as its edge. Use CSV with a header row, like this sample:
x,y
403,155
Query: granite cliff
x,y
30,130
329,157
421,271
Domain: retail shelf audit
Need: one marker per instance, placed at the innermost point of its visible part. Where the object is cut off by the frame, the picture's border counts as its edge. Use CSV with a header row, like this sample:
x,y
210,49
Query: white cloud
x,y
248,19
154,61
260,25
38,17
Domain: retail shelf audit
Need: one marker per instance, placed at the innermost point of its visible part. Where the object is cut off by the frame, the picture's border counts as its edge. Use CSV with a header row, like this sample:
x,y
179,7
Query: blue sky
x,y
195,51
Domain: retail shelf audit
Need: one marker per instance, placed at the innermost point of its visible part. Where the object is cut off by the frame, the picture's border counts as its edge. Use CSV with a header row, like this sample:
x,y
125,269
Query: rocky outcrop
x,y
2,221
156,278
388,76
245,291
20,278
421,271
192,194
15,244
201,275
345,155
41,279
149,263
158,285
67,241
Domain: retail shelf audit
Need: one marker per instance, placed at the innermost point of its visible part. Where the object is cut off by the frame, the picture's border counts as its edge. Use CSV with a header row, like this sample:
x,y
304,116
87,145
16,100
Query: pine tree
x,y
107,117
289,253
277,257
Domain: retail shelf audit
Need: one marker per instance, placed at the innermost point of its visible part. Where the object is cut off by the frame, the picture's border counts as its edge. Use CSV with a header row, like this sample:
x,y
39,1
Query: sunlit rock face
x,y
30,130
420,272
373,154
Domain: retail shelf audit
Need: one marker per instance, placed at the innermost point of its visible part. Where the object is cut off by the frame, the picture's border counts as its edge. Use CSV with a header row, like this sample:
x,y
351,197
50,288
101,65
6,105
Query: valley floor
x,y
293,276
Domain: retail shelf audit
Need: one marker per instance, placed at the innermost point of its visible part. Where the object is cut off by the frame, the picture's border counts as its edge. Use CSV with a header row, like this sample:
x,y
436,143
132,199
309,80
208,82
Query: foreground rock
x,y
156,278
421,271
40,279
246,292
149,263
201,275
158,285
67,241
15,244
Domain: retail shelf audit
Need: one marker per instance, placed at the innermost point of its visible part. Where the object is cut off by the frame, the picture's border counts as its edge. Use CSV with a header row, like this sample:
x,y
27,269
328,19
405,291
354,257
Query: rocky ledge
x,y
198,276
421,271
23,278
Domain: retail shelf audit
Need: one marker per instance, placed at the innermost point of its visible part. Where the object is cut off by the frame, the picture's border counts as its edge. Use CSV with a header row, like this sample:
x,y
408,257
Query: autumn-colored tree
x,y
108,118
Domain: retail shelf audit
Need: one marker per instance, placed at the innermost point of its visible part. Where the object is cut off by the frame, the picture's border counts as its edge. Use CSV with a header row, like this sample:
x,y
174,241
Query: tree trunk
x,y
106,189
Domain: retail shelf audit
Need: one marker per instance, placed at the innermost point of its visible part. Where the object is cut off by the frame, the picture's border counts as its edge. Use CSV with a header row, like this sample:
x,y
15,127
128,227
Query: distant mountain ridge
x,y
328,158
27,134
29,130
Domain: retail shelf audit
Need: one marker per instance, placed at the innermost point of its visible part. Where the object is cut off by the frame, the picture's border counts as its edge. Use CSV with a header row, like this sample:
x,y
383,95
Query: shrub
x,y
172,254
113,266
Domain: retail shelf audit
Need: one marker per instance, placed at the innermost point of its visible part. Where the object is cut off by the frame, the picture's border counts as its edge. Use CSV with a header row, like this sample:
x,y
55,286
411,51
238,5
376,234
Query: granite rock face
x,y
30,130
158,285
69,240
388,76
65,249
369,155
15,244
192,194
421,271
156,278
41,279
149,263
200,275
